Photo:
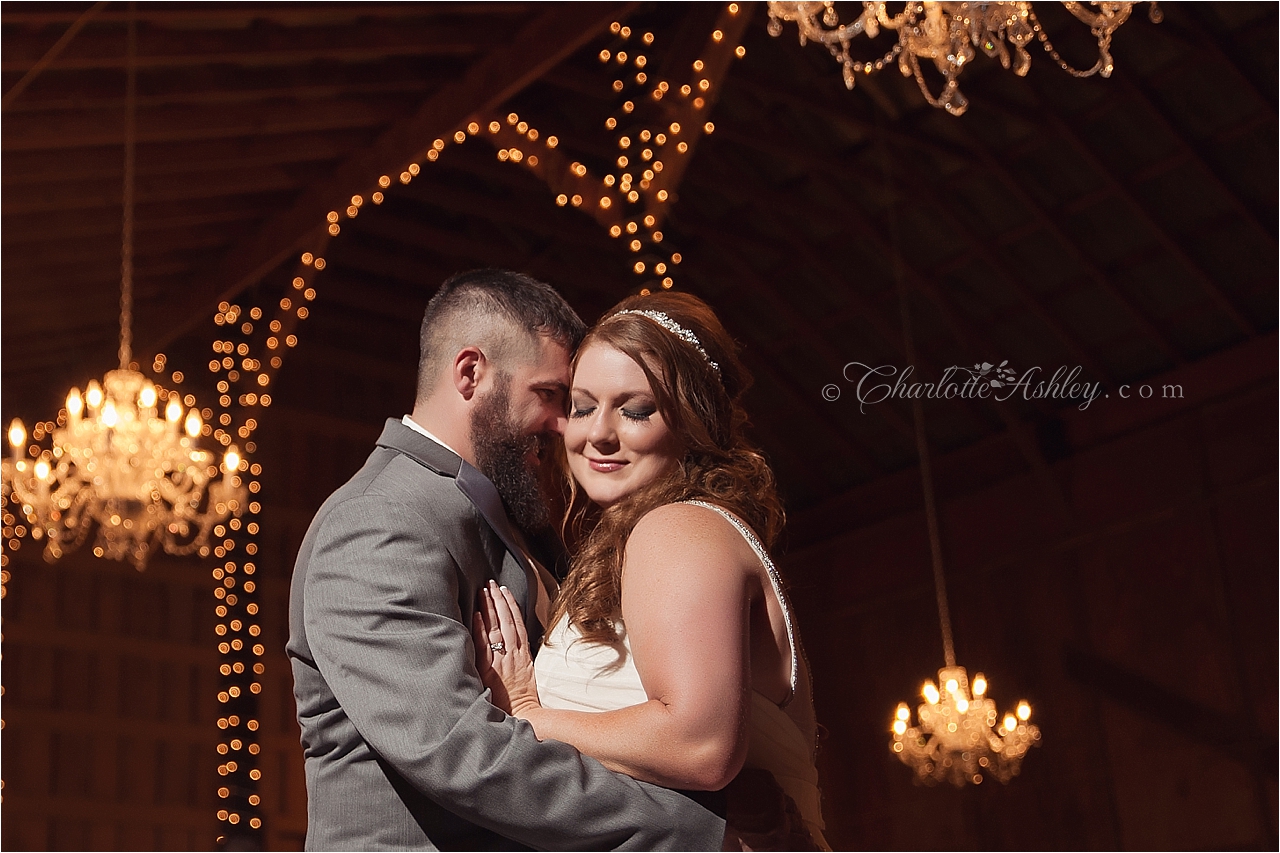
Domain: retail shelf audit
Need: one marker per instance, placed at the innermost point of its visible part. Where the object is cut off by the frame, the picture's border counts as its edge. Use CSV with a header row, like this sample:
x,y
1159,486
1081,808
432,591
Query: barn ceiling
x,y
1125,225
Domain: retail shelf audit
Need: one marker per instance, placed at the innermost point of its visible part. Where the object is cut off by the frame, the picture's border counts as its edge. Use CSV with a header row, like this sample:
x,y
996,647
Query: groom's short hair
x,y
500,311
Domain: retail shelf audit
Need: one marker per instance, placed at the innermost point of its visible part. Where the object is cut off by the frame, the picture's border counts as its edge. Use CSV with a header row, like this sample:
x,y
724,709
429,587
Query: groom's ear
x,y
469,369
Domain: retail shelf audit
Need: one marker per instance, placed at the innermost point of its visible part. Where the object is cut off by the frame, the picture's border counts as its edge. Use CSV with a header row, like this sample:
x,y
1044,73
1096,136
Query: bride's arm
x,y
686,605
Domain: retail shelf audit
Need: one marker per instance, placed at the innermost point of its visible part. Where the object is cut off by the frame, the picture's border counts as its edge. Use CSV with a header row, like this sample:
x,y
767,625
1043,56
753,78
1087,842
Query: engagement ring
x,y
498,647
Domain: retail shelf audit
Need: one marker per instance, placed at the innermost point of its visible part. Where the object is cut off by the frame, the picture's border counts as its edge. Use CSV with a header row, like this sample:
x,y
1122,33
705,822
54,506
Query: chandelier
x,y
113,459
950,34
958,737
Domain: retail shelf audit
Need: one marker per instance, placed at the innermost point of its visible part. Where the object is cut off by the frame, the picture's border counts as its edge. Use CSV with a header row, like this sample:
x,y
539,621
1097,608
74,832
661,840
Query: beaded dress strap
x,y
774,578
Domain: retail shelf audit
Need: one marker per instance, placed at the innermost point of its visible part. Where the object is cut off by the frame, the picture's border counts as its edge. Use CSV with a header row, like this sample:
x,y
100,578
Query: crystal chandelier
x,y
948,34
960,734
958,737
113,459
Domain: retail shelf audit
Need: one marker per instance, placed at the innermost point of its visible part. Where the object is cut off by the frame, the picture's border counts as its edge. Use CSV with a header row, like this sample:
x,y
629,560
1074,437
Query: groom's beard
x,y
502,451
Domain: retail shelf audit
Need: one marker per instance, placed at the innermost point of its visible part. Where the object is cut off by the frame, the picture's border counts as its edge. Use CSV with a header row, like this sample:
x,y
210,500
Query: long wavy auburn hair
x,y
703,408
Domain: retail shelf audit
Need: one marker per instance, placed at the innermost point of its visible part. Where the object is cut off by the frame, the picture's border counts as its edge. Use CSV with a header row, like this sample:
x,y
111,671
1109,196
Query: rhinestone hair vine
x,y
676,329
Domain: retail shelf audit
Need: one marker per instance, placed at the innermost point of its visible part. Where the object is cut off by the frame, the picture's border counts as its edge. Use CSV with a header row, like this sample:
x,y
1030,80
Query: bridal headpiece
x,y
676,329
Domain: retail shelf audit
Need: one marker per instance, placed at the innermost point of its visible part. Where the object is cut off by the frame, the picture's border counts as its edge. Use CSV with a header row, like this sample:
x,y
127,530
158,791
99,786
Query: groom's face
x,y
515,424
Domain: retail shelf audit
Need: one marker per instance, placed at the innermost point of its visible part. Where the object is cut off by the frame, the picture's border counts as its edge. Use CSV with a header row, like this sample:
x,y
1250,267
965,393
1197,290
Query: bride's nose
x,y
602,434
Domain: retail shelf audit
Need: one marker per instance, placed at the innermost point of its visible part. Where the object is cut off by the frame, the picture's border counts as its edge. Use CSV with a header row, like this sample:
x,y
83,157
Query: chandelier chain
x,y
917,417
130,141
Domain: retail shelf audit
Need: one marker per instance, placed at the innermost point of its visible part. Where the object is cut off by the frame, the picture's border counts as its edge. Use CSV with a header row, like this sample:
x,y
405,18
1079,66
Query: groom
x,y
403,749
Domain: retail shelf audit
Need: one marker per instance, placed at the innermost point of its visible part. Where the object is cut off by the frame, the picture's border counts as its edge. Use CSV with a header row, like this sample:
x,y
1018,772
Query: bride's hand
x,y
506,670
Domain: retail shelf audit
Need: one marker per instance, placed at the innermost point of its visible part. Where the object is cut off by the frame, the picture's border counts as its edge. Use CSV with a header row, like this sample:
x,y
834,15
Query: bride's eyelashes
x,y
640,416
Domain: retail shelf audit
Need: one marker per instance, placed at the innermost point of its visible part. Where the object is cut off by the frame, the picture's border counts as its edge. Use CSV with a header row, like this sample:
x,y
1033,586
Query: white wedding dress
x,y
580,676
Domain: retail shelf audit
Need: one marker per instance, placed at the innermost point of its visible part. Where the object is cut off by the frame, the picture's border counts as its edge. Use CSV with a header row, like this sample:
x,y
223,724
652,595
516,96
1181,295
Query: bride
x,y
673,656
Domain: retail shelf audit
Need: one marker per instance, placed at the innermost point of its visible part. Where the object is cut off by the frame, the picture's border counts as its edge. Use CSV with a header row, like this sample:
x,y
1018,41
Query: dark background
x,y
1115,566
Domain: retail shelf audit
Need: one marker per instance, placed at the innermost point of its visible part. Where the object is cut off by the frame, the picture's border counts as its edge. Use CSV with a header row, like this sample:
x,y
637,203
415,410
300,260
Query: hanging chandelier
x,y
949,35
959,735
112,459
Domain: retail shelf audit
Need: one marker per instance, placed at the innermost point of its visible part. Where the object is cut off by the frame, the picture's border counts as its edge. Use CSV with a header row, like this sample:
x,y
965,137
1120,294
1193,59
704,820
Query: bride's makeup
x,y
616,438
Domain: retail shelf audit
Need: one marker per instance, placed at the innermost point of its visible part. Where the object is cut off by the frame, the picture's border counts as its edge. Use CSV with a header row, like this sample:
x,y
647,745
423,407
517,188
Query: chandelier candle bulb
x,y
93,395
193,424
75,405
17,438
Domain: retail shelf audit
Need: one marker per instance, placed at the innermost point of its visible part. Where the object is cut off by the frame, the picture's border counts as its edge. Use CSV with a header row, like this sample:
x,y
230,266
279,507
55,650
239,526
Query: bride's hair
x,y
699,393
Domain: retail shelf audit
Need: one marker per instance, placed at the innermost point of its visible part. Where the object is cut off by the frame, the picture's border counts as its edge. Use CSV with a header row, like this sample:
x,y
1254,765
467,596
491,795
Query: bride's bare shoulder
x,y
687,529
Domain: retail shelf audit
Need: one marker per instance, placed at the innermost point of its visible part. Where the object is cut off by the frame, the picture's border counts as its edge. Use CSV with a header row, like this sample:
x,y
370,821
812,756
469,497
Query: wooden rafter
x,y
1118,188
488,83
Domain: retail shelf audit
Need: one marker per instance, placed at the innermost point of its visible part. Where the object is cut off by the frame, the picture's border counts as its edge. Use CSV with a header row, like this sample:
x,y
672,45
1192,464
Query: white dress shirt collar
x,y
419,428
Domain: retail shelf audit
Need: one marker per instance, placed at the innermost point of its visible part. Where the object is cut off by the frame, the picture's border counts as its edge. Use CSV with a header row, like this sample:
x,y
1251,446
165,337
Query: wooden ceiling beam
x,y
771,144
489,82
1142,93
463,251
1200,43
106,195
980,156
1198,273
237,16
101,48
21,234
44,167
113,102
27,132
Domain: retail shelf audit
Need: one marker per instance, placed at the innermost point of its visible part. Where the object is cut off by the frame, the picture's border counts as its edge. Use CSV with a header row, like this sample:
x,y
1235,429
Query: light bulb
x,y
1010,722
899,727
42,470
109,415
75,405
231,461
1024,711
147,396
962,705
17,434
904,713
952,685
193,423
979,684
173,412
93,394
930,693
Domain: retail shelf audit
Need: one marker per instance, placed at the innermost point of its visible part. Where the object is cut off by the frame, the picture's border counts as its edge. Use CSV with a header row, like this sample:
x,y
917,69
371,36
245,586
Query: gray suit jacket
x,y
403,749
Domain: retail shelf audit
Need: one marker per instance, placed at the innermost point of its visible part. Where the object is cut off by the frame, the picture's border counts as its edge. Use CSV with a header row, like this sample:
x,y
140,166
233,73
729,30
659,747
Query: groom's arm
x,y
384,626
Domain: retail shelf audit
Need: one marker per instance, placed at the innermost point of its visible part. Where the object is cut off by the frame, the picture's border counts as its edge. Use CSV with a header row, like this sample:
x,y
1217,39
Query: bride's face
x,y
616,439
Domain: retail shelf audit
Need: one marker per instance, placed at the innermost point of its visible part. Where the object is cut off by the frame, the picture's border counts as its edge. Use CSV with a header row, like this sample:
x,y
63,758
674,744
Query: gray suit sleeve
x,y
383,623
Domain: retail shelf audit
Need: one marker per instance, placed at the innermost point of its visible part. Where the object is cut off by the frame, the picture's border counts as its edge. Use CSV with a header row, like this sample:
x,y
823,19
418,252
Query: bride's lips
x,y
606,466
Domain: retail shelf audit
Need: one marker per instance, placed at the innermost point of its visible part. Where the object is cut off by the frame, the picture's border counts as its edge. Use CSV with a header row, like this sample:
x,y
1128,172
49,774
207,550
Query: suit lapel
x,y
485,498
484,495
